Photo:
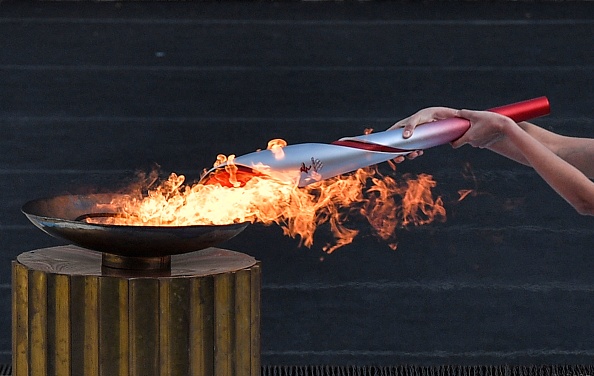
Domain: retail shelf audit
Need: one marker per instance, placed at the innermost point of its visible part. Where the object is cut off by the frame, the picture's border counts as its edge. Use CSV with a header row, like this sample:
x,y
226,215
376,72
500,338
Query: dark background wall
x,y
91,93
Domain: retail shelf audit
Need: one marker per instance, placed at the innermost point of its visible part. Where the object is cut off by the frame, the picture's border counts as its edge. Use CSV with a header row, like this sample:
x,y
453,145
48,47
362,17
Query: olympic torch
x,y
312,162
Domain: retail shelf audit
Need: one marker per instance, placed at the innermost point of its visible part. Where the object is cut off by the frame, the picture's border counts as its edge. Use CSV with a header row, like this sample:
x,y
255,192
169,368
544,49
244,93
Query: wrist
x,y
514,133
508,127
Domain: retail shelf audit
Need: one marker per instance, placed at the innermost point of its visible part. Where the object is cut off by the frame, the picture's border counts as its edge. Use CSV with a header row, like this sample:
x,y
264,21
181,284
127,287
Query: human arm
x,y
565,163
577,151
555,158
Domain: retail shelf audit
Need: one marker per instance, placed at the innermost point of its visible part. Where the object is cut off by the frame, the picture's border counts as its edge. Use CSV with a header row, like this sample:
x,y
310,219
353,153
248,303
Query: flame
x,y
468,174
276,146
240,195
465,192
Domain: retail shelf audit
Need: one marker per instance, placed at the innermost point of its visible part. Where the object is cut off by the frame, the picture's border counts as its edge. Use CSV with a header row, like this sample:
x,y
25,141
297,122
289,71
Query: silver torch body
x,y
312,162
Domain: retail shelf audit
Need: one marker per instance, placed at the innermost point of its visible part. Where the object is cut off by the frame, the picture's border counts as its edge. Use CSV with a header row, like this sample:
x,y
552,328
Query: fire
x,y
236,196
464,192
468,175
276,146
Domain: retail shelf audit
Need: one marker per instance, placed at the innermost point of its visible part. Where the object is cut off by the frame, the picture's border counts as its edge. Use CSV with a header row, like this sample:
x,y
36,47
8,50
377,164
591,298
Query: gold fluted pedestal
x,y
70,317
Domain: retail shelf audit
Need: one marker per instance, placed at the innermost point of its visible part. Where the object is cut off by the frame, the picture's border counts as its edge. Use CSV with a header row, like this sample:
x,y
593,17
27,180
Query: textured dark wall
x,y
90,93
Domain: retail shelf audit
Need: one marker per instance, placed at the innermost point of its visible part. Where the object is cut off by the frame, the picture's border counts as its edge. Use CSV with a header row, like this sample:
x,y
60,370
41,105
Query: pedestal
x,y
73,316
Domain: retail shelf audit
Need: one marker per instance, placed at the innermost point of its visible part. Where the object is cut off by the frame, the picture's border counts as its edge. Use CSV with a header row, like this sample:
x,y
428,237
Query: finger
x,y
427,116
465,114
407,131
412,121
414,154
459,142
399,124
423,116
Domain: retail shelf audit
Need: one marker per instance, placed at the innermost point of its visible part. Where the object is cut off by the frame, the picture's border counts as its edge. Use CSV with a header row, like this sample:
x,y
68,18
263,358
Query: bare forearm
x,y
567,180
508,149
578,152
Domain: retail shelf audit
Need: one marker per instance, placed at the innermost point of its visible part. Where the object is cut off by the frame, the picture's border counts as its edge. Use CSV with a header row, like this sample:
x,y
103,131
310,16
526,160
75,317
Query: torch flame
x,y
276,147
243,195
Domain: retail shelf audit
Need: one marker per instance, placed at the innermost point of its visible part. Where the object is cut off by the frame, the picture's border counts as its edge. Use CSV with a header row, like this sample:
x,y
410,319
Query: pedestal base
x,y
72,318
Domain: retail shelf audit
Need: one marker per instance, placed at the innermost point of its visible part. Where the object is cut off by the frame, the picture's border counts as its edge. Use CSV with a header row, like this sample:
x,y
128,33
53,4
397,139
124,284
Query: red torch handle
x,y
525,110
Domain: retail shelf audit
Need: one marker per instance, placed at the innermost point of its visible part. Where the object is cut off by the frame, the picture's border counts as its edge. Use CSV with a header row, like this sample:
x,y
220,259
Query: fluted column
x,y
72,317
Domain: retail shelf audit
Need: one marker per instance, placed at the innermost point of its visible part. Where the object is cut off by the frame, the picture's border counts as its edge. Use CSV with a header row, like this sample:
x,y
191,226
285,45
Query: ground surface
x,y
91,93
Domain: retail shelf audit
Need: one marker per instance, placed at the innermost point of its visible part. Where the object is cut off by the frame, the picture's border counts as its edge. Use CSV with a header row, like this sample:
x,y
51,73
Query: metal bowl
x,y
60,217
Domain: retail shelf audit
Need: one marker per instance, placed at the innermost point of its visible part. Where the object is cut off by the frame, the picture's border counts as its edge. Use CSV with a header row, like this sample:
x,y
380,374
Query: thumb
x,y
464,114
457,143
407,131
408,125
